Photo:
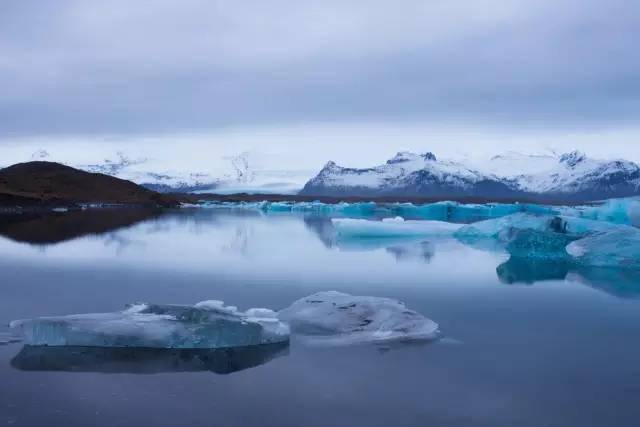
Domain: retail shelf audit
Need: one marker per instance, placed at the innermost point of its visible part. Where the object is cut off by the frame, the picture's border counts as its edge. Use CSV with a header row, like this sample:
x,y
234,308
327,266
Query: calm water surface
x,y
525,344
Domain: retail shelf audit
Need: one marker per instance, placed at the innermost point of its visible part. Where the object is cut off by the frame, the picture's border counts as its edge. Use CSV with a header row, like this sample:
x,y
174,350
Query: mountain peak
x,y
407,156
573,158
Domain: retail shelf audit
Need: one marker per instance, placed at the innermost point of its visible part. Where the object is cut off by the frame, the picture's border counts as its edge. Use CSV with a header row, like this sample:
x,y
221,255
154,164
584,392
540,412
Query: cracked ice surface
x,y
208,324
335,318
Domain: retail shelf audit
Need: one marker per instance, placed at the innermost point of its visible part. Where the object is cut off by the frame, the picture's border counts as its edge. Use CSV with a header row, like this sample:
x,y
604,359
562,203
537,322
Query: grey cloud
x,y
70,66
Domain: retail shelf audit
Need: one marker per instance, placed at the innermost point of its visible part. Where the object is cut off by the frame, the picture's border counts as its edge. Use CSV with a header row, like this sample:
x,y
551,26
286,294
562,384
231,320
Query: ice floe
x,y
392,227
206,325
335,318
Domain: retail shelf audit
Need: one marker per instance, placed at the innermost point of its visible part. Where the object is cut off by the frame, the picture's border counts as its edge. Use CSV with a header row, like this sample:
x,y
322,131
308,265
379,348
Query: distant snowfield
x,y
190,167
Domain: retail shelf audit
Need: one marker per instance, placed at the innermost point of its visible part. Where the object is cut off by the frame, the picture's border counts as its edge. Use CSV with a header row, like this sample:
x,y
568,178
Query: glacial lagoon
x,y
525,341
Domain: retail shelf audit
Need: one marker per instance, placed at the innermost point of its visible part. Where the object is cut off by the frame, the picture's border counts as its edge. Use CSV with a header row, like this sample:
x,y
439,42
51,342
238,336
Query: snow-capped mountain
x,y
406,174
240,173
571,176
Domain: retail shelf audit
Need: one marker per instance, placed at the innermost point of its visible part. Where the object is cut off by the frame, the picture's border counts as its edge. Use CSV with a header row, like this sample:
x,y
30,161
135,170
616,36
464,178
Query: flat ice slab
x,y
208,324
335,318
393,227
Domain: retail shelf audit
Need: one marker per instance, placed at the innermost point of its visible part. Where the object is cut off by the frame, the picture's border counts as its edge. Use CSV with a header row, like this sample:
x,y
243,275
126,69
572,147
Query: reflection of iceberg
x,y
622,283
618,247
145,360
208,324
422,251
335,318
525,270
392,227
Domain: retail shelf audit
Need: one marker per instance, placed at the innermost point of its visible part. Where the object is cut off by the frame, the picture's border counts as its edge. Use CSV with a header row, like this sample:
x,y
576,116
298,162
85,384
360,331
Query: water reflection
x,y
145,360
622,283
46,228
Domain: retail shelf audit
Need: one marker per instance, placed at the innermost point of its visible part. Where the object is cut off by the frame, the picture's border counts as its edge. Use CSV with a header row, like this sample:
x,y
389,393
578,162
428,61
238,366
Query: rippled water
x,y
527,344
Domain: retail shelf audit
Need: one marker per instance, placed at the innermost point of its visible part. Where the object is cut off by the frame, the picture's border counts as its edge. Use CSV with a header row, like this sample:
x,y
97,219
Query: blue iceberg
x,y
392,227
208,324
619,247
493,228
619,211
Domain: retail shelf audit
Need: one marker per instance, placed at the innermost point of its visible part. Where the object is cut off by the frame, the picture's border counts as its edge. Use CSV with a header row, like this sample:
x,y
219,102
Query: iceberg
x,y
123,360
393,227
619,211
209,324
465,213
618,247
494,228
335,318
531,243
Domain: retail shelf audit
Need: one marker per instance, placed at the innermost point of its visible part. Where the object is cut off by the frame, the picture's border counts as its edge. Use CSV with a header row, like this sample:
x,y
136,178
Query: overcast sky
x,y
335,79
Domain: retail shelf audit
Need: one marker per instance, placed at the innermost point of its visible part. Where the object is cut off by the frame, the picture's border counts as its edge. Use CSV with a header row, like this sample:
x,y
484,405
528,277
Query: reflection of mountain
x,y
55,227
623,283
145,360
322,227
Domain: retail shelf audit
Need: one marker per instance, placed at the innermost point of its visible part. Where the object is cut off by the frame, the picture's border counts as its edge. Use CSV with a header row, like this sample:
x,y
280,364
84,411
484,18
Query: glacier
x,y
392,227
335,318
208,324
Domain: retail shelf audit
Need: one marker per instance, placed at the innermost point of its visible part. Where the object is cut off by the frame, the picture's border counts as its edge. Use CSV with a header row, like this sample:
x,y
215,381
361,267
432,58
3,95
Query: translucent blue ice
x,y
493,228
619,211
619,247
392,227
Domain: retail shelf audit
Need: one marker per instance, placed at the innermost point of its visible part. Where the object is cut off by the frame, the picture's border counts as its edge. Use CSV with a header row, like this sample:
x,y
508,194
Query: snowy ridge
x,y
570,175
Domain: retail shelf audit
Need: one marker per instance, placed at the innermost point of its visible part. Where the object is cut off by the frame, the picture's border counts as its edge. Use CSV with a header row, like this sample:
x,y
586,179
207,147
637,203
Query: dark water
x,y
526,344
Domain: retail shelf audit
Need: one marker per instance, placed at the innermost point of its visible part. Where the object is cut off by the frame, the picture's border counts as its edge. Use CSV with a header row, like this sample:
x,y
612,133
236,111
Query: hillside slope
x,y
49,183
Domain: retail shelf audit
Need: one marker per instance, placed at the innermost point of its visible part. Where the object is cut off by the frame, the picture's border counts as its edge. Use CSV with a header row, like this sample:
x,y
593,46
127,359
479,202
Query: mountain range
x,y
570,176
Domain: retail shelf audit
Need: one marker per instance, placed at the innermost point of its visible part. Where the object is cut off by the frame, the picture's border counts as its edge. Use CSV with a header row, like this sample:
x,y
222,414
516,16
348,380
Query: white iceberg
x,y
208,324
618,248
335,318
393,227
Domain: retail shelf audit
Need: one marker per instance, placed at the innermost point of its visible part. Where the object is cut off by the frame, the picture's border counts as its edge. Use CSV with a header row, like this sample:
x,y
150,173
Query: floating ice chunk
x,y
619,247
392,227
493,228
8,338
206,325
335,318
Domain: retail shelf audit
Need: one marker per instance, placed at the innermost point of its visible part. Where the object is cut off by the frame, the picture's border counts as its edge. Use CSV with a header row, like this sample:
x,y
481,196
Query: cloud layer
x,y
122,67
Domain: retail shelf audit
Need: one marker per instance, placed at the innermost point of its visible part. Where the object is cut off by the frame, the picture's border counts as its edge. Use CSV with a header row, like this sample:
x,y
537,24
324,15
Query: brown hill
x,y
48,183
